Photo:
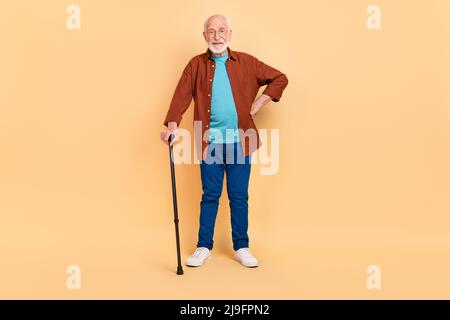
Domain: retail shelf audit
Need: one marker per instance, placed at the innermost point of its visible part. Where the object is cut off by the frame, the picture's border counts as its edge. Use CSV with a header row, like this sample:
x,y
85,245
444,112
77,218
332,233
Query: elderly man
x,y
224,85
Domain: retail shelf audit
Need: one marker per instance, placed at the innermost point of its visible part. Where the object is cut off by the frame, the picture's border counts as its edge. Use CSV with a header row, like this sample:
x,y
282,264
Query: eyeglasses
x,y
212,33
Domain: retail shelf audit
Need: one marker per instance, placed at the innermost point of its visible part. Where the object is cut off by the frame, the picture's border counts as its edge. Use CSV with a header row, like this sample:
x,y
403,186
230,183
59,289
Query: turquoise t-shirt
x,y
224,120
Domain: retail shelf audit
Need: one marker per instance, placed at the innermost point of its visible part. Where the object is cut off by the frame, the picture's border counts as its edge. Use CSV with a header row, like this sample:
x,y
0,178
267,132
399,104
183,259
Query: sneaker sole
x,y
251,266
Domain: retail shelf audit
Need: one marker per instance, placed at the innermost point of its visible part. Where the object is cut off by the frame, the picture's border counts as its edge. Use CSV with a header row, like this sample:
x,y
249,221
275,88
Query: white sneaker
x,y
199,257
245,257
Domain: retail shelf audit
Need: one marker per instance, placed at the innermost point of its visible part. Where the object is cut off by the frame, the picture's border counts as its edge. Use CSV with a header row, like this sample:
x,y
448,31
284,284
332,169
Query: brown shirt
x,y
246,74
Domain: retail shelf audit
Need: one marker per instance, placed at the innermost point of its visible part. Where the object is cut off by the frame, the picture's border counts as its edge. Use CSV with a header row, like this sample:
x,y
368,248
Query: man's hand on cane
x,y
171,129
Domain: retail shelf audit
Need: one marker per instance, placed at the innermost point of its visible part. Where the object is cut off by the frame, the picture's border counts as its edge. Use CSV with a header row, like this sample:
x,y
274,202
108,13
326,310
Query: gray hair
x,y
227,21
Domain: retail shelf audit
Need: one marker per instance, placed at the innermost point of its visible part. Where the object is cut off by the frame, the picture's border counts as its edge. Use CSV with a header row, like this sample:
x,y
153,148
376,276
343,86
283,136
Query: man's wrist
x,y
172,125
266,98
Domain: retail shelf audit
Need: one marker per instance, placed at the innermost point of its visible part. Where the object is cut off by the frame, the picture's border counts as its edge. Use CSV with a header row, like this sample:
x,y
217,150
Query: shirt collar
x,y
208,55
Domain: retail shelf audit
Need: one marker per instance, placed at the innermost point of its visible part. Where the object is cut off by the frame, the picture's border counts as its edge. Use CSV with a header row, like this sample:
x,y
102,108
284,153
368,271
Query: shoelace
x,y
246,253
198,251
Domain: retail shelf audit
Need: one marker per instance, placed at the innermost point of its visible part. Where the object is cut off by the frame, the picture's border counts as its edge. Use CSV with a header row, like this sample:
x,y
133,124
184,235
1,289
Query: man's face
x,y
217,35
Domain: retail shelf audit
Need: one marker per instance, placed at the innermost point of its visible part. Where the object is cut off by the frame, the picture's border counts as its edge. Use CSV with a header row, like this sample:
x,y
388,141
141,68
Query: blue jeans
x,y
221,158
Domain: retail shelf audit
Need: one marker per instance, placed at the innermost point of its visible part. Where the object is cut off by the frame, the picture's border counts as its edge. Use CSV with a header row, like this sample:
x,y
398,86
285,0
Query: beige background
x,y
364,157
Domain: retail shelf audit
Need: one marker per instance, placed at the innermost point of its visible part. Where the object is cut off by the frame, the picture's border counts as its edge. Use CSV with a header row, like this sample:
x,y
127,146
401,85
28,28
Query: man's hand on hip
x,y
259,103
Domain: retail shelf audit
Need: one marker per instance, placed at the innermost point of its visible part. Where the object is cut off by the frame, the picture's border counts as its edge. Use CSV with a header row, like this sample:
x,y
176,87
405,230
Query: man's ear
x,y
204,36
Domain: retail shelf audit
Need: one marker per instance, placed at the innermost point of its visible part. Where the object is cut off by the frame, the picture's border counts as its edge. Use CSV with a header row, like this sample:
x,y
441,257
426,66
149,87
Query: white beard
x,y
221,49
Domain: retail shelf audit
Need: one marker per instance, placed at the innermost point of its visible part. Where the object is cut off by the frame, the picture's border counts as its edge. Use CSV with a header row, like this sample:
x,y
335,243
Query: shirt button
x,y
208,110
210,80
213,66
209,95
207,126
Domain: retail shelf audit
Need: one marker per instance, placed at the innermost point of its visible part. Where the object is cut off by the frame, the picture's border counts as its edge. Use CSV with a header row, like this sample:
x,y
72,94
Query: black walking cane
x,y
175,207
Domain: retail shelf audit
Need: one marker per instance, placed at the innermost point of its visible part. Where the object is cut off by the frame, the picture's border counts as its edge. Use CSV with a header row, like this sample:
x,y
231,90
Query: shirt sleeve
x,y
275,80
181,98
